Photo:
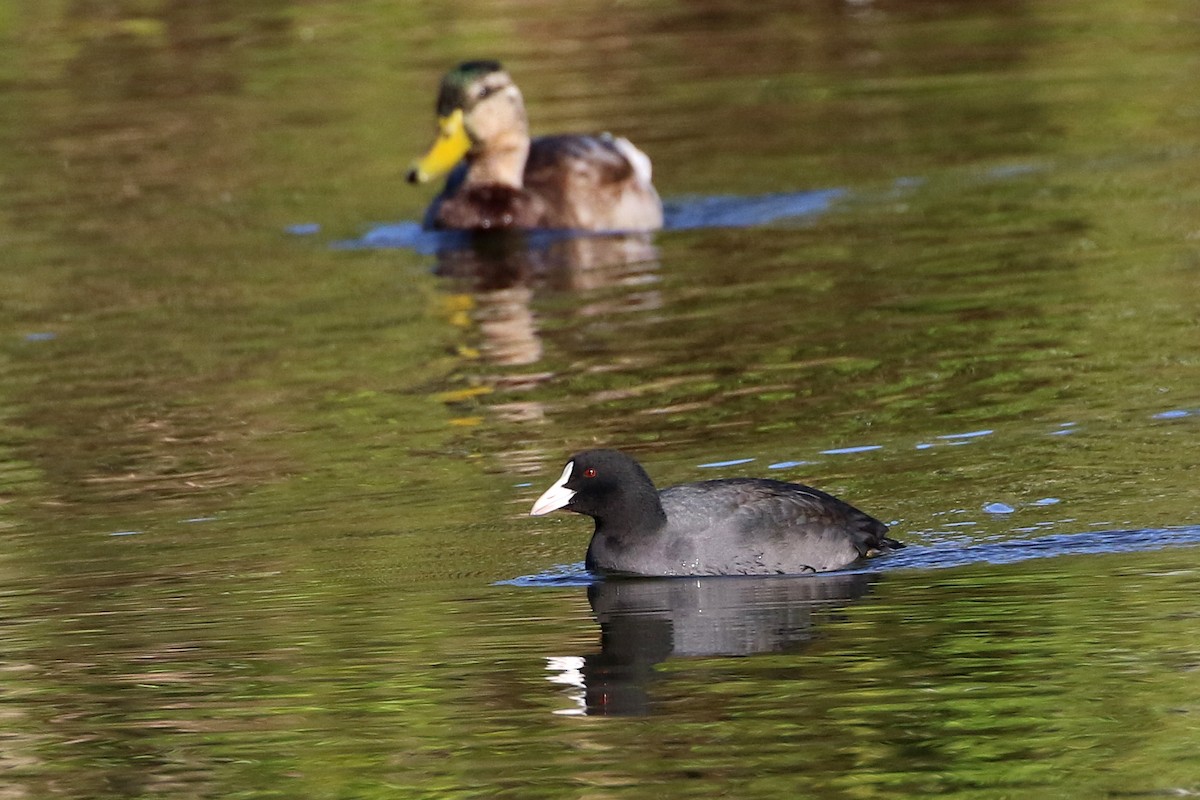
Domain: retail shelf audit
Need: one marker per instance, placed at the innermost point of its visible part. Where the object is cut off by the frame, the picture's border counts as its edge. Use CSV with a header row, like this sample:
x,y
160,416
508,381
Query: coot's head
x,y
594,482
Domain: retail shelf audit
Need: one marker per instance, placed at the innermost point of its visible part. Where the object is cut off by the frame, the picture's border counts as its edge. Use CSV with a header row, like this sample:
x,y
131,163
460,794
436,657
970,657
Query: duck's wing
x,y
593,183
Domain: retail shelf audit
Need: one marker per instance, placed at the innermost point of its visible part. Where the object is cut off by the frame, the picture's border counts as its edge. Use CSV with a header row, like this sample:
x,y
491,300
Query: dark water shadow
x,y
644,621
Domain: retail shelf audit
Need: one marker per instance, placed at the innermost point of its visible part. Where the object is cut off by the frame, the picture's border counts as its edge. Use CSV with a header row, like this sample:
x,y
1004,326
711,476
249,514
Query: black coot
x,y
735,526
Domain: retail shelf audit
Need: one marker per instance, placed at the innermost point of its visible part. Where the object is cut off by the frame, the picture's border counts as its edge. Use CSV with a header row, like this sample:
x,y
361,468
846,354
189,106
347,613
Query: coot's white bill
x,y
556,496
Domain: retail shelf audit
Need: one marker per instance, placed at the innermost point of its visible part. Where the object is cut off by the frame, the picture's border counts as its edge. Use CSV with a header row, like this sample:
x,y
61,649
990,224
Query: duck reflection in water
x,y
502,269
644,621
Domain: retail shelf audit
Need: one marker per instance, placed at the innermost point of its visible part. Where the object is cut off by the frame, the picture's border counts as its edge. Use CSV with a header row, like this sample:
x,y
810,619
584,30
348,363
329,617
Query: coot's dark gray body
x,y
738,526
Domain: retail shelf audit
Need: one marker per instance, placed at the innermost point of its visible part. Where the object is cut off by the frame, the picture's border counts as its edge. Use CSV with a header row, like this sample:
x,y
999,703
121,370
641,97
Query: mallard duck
x,y
500,179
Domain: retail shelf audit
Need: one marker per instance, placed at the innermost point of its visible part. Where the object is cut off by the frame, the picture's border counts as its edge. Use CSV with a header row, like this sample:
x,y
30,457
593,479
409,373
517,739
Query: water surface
x,y
268,450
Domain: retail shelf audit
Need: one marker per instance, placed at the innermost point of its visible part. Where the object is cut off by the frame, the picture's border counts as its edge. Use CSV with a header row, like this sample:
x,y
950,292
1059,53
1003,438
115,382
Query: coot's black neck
x,y
626,529
634,513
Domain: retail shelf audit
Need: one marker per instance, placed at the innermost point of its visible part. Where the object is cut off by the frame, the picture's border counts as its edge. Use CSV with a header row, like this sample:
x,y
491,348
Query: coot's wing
x,y
764,526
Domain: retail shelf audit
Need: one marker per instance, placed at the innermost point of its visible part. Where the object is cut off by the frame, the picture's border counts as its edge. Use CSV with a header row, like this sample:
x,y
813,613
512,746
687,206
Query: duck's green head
x,y
477,102
461,86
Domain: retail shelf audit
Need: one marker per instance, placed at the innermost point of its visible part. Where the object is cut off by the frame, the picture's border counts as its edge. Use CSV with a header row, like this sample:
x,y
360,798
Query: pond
x,y
269,448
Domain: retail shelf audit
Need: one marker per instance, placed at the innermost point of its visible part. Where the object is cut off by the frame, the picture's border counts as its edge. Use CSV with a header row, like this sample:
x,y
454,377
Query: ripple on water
x,y
1009,551
557,576
731,463
953,552
841,451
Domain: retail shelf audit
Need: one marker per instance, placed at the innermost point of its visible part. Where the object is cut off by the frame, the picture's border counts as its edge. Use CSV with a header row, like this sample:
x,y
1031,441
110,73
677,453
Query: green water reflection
x,y
256,491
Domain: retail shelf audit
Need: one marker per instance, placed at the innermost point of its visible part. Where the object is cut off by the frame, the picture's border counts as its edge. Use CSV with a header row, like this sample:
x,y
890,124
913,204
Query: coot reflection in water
x,y
644,621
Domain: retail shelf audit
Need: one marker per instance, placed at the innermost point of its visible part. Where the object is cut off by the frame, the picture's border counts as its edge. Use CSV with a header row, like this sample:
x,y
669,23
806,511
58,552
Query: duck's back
x,y
598,183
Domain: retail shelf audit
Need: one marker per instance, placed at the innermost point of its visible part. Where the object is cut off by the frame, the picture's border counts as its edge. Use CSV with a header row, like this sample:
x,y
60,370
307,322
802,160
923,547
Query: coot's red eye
x,y
589,473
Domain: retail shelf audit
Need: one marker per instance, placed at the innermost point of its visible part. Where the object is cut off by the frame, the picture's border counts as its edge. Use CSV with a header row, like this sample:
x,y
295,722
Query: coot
x,y
733,526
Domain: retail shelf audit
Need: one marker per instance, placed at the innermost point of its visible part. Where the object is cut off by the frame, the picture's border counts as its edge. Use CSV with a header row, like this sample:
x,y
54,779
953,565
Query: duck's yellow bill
x,y
448,149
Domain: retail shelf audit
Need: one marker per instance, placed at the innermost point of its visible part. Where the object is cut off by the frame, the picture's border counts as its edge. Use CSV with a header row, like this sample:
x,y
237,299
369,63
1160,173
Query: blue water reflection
x,y
1054,545
730,211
